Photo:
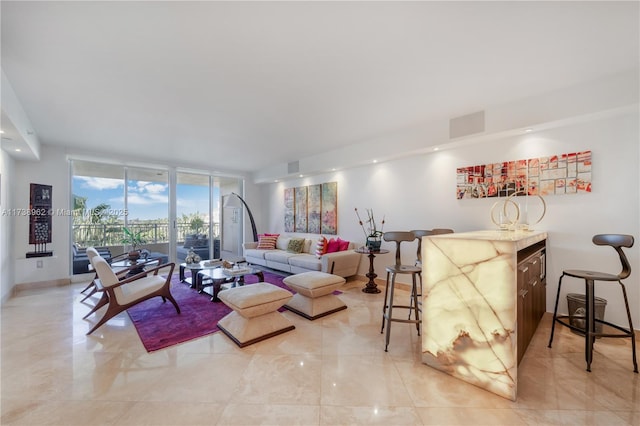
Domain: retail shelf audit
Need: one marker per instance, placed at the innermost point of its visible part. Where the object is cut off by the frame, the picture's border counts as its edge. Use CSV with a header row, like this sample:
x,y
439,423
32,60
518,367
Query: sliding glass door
x,y
107,198
147,201
195,223
99,212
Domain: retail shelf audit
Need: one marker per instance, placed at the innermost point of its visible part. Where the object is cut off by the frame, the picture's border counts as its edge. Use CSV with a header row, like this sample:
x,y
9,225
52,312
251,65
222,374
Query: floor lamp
x,y
234,202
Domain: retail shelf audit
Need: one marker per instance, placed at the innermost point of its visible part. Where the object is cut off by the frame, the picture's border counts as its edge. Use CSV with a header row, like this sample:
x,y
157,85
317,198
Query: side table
x,y
371,287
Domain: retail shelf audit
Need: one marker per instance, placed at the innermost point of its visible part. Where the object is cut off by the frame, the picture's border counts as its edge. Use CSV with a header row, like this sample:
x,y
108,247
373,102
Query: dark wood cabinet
x,y
532,293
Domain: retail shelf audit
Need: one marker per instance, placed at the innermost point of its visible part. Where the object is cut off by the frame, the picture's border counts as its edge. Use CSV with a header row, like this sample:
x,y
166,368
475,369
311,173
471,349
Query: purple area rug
x,y
159,326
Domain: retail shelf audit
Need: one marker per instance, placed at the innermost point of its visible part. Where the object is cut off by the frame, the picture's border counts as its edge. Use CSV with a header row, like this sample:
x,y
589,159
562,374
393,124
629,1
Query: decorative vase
x,y
373,243
192,257
134,255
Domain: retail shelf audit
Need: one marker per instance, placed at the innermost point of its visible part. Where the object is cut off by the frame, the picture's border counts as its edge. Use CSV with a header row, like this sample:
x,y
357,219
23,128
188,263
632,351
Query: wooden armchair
x,y
121,272
119,295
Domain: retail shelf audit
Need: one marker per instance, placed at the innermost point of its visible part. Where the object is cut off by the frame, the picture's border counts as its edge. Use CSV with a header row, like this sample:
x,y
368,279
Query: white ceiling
x,y
238,85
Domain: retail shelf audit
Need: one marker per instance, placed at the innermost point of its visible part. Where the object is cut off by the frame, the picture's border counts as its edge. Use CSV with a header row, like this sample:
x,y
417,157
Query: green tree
x,y
99,213
196,223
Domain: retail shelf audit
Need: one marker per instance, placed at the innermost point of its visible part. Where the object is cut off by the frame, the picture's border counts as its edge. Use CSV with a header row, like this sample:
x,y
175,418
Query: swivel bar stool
x,y
387,311
616,241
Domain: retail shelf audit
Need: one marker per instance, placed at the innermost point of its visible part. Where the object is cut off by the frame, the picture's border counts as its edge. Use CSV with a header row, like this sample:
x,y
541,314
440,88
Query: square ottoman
x,y
255,315
314,296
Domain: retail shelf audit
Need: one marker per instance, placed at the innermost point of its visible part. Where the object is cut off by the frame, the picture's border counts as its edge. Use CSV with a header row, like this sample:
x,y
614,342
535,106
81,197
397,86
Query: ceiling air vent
x,y
293,167
466,125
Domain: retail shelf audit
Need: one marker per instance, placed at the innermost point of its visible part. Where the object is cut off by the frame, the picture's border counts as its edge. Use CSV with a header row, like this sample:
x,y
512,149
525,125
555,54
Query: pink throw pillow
x,y
343,245
333,246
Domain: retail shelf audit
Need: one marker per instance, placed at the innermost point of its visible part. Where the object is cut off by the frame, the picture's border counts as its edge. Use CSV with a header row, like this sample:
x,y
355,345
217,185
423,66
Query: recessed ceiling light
x,y
18,150
333,170
276,181
375,161
436,148
528,130
301,176
1,132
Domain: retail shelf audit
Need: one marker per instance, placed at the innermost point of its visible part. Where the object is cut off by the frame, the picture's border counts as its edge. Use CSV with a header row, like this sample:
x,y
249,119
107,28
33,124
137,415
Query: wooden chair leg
x,y
88,287
112,311
103,301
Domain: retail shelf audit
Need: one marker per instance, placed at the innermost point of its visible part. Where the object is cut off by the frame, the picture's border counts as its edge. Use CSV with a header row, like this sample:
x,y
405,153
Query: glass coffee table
x,y
135,266
194,268
216,278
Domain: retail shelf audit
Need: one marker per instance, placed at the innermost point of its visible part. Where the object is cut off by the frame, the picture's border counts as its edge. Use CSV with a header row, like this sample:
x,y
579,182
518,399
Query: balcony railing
x,y
99,235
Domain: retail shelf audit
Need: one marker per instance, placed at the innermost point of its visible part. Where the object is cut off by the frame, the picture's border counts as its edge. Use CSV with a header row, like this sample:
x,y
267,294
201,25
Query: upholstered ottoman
x,y
255,315
314,296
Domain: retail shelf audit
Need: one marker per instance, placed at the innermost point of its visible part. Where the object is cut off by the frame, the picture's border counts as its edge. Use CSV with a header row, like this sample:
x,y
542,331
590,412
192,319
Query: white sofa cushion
x,y
256,253
306,261
279,256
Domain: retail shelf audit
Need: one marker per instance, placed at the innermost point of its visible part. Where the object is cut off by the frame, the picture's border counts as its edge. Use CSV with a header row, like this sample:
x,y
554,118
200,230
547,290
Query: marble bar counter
x,y
475,288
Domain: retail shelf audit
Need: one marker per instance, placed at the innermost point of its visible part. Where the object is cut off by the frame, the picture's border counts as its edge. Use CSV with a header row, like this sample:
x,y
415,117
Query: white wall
x,y
419,193
7,166
414,193
52,169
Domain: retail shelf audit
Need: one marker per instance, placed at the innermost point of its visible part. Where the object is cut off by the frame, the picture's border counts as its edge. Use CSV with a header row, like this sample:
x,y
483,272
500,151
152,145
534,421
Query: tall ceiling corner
x,y
19,138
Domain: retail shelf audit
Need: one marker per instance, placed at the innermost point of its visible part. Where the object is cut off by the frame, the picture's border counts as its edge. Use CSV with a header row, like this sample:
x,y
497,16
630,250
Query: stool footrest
x,y
408,321
626,331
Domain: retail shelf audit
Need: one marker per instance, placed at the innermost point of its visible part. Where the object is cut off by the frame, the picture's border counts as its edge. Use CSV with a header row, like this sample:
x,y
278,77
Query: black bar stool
x,y
616,241
387,311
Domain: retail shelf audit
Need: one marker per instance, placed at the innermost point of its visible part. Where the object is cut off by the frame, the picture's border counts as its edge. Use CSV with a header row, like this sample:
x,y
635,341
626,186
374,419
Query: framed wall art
x,y
40,208
314,208
311,209
301,209
554,175
329,220
289,209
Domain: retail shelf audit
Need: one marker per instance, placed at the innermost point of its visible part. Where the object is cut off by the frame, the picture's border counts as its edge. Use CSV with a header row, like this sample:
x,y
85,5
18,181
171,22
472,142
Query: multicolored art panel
x,y
312,209
557,174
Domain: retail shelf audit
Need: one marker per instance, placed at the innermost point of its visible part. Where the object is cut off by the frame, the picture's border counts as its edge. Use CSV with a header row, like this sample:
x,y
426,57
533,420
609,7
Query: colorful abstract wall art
x,y
289,217
314,208
311,209
553,175
301,209
329,219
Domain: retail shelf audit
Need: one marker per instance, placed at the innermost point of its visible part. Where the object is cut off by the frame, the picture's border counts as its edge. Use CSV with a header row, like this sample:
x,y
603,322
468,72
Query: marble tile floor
x,y
331,371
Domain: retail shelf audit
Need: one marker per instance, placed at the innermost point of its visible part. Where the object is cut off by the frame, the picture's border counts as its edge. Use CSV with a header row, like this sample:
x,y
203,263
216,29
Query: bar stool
x,y
387,311
419,233
616,241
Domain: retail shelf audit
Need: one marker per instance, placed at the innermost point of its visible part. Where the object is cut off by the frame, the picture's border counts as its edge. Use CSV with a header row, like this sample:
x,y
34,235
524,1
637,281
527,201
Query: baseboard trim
x,y
60,282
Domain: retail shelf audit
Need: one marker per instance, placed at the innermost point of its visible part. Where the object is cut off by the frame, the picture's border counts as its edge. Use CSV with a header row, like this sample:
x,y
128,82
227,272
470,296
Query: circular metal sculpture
x,y
506,220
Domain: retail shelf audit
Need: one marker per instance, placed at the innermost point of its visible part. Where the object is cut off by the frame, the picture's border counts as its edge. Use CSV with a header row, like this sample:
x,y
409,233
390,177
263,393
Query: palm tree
x,y
99,212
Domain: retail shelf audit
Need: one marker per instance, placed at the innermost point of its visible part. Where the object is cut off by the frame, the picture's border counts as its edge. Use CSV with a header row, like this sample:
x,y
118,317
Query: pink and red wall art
x,y
556,174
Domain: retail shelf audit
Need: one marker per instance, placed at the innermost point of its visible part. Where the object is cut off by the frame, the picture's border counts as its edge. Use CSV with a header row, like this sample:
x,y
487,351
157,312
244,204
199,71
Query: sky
x,y
147,200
